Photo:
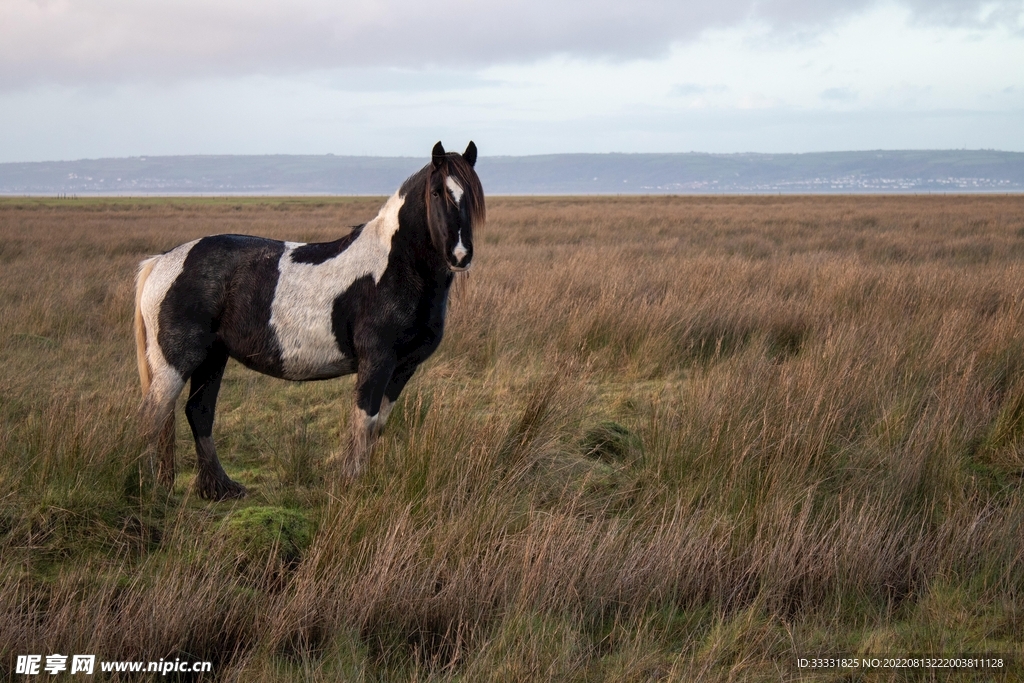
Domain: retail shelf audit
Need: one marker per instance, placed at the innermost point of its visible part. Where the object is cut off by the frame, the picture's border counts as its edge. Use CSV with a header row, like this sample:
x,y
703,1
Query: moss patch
x,y
262,536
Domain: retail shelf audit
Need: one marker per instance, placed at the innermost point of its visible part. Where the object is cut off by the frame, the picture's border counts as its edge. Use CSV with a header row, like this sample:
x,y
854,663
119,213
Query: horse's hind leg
x,y
211,482
165,452
158,423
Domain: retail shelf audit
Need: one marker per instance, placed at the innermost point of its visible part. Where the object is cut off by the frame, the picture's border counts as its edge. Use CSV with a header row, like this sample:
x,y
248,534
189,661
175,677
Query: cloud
x,y
687,89
838,95
71,43
692,89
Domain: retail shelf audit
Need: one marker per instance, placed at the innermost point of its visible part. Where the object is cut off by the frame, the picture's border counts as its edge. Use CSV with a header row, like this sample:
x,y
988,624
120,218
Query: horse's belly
x,y
321,370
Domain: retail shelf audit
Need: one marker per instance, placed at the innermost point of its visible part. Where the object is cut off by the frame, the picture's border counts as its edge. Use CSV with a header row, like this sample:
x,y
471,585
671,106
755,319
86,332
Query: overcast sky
x,y
130,77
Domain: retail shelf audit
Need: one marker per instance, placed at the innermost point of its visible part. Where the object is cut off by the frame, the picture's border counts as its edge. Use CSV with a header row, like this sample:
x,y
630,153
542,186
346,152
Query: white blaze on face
x,y
460,251
455,188
305,294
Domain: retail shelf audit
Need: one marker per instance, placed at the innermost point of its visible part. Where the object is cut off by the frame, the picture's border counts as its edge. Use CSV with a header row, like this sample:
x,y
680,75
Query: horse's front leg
x,y
372,380
399,378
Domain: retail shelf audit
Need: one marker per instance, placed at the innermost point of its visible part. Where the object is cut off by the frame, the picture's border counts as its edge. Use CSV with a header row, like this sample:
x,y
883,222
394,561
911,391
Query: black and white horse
x,y
371,303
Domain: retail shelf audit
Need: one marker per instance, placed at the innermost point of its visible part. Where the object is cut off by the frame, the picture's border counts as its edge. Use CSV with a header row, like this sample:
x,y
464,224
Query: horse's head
x,y
455,204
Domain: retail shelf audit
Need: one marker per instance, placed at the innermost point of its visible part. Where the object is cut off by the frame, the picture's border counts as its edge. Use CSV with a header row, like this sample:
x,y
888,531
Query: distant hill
x,y
691,173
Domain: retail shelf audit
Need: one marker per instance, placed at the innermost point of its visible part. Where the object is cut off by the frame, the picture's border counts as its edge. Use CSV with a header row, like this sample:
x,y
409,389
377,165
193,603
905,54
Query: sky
x,y
116,78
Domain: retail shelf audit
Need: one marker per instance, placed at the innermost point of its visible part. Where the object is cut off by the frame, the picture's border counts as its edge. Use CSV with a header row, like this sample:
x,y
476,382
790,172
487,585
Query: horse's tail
x,y
145,376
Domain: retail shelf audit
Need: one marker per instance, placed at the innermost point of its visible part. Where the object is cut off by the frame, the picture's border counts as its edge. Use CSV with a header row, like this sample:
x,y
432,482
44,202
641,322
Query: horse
x,y
371,303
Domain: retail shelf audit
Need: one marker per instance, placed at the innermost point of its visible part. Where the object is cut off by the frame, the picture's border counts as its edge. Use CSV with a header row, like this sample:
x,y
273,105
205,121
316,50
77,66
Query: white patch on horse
x,y
455,188
385,410
304,299
367,422
459,251
166,269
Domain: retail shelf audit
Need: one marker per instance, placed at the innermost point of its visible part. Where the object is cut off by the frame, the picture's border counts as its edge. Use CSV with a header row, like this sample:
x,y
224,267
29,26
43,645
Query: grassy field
x,y
664,439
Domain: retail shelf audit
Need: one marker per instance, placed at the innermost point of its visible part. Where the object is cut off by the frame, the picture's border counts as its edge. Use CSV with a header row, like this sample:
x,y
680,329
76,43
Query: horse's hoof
x,y
220,489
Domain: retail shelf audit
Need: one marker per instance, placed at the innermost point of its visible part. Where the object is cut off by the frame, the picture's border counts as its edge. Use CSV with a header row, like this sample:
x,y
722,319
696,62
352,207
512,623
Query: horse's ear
x,y
437,154
470,154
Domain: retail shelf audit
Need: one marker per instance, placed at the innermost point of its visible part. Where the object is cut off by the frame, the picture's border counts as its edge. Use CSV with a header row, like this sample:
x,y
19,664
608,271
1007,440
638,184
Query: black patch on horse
x,y
224,292
347,308
318,252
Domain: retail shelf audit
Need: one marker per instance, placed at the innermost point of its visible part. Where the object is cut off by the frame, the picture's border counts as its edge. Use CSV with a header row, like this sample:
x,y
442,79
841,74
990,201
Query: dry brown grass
x,y
664,438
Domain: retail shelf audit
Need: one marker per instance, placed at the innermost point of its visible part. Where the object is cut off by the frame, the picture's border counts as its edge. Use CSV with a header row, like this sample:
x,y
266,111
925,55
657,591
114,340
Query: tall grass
x,y
664,438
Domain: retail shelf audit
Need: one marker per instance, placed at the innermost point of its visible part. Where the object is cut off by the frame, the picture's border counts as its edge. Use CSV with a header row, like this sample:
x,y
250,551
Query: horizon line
x,y
145,157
